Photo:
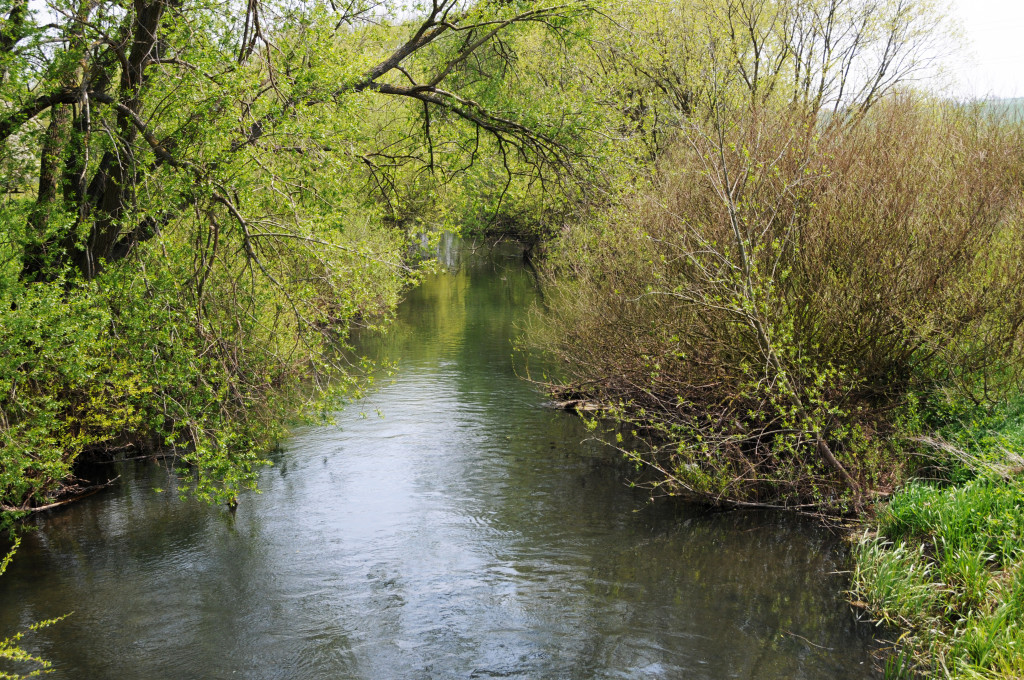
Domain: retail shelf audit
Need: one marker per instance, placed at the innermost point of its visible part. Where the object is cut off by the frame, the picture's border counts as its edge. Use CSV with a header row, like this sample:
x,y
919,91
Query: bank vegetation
x,y
782,273
806,292
201,199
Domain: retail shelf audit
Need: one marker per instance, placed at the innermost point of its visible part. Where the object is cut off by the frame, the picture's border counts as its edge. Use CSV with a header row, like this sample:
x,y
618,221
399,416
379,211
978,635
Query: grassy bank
x,y
944,559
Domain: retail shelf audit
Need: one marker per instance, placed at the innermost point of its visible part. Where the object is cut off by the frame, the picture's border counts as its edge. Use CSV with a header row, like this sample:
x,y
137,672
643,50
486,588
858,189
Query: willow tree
x,y
202,197
198,92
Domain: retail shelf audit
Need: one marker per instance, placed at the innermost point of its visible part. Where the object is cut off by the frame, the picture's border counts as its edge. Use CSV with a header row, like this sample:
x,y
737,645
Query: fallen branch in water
x,y
827,649
579,405
88,491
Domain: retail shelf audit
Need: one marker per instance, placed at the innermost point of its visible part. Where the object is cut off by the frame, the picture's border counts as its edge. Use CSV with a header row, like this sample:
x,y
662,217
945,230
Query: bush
x,y
763,308
161,355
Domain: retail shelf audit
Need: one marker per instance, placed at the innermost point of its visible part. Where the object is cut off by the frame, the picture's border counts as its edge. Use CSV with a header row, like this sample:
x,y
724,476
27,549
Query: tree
x,y
204,197
140,90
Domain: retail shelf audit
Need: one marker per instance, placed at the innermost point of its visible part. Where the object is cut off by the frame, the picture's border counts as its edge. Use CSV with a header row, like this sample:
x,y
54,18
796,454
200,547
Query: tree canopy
x,y
202,198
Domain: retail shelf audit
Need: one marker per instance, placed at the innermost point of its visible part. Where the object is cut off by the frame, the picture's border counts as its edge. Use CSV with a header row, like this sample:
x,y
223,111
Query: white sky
x,y
994,32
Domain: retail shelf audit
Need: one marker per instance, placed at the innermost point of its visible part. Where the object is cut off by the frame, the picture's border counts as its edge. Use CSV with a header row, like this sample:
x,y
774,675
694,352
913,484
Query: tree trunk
x,y
40,249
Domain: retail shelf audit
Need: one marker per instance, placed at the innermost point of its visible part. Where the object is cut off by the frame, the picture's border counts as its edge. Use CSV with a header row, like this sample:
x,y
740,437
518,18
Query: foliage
x,y
621,80
100,367
752,288
765,306
202,200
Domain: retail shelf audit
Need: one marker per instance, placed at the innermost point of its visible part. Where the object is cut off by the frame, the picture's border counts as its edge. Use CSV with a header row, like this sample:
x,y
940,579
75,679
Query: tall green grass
x,y
946,561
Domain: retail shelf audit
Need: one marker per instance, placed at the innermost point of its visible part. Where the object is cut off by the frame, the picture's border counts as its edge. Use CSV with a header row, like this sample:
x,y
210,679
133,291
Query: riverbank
x,y
944,558
836,330
468,531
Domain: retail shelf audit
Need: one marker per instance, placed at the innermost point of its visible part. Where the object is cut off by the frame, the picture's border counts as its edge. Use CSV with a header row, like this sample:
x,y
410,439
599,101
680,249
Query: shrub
x,y
208,373
765,305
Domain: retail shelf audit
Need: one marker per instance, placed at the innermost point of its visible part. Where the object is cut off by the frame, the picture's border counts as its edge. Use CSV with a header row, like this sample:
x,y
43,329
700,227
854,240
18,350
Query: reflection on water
x,y
467,533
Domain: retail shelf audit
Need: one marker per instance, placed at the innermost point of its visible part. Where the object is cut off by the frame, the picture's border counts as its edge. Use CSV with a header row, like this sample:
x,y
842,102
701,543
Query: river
x,y
450,526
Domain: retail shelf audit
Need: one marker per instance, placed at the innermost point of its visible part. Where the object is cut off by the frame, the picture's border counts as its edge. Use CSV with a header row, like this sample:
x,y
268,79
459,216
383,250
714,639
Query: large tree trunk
x,y
112,190
105,200
40,248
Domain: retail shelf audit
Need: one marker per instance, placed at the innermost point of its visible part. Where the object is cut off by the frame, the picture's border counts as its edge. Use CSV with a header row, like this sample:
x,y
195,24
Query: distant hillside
x,y
1012,106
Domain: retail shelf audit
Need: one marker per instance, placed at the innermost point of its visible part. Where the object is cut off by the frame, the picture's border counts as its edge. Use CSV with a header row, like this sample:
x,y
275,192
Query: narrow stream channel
x,y
469,532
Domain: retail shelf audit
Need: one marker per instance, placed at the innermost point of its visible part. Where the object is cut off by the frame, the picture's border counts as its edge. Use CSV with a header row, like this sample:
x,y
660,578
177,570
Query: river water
x,y
464,531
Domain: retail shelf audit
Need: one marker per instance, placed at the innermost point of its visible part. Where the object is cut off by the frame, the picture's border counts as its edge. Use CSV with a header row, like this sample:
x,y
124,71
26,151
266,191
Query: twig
x,y
827,649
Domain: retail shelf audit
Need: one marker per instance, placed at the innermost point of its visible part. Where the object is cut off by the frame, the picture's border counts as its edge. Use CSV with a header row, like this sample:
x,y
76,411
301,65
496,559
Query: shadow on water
x,y
467,533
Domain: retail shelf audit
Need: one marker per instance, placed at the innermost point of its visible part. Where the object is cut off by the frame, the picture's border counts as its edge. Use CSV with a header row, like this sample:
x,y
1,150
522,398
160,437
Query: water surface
x,y
464,532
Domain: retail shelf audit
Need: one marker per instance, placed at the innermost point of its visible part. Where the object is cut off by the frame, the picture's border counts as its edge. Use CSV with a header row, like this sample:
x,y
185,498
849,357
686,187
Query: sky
x,y
994,31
